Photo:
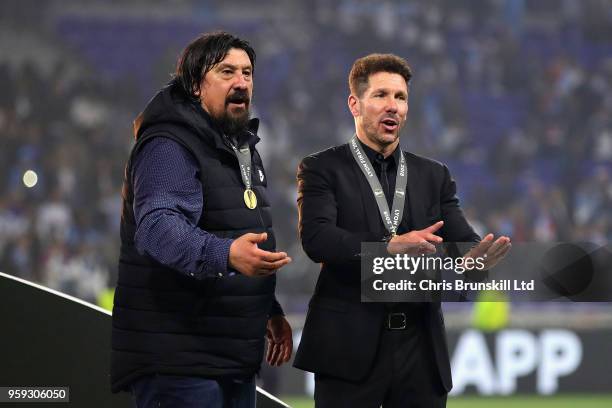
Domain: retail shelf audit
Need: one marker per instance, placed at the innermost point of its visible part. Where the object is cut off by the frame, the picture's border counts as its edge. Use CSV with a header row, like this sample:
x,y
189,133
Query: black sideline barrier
x,y
48,339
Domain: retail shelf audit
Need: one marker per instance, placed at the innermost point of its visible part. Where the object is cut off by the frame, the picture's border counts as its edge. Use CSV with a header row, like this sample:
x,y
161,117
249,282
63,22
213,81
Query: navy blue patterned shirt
x,y
167,207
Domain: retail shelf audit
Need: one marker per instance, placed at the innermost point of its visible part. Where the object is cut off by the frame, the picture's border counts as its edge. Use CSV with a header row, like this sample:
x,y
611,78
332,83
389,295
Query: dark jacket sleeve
x,y
456,228
322,239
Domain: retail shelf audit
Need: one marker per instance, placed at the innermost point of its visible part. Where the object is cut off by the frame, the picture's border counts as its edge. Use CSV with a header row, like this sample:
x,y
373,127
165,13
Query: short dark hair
x,y
202,54
372,64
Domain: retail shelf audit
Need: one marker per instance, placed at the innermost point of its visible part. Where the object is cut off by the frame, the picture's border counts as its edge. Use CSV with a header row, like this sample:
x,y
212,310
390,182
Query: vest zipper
x,y
261,218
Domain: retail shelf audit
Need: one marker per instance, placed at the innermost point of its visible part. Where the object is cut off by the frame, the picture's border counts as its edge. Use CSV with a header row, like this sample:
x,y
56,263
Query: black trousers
x,y
404,375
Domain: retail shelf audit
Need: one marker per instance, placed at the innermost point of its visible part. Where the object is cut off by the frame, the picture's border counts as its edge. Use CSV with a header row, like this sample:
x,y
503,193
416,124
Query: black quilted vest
x,y
163,321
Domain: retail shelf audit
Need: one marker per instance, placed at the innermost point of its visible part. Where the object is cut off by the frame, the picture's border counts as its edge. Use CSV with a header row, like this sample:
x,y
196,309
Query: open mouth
x,y
389,124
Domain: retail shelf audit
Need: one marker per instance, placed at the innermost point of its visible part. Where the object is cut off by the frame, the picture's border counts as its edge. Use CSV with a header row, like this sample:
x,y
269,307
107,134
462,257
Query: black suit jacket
x,y
337,212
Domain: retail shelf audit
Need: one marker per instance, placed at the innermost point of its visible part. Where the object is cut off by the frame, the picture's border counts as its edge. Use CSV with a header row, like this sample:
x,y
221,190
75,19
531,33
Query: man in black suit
x,y
372,354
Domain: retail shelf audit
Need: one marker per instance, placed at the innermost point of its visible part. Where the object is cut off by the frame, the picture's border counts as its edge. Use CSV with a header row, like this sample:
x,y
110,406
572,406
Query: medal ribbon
x,y
243,154
390,219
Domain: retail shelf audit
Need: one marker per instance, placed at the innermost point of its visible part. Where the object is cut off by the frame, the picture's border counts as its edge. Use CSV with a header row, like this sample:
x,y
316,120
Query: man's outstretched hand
x,y
491,251
280,341
248,259
416,242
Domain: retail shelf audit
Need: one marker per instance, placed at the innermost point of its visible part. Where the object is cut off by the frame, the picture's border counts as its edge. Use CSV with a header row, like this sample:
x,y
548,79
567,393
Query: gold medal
x,y
250,199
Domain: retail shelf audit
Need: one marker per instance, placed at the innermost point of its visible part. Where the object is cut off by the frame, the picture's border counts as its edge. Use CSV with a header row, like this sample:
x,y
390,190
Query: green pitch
x,y
564,401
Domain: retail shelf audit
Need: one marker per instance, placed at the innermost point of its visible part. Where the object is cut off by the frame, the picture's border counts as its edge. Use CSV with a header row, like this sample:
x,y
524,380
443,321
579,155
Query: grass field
x,y
565,401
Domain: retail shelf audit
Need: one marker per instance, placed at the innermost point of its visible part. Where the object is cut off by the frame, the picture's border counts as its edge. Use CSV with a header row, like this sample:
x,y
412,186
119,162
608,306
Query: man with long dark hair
x,y
195,293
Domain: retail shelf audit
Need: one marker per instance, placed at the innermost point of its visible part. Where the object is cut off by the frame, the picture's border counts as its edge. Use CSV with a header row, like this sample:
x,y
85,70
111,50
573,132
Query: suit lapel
x,y
371,213
415,197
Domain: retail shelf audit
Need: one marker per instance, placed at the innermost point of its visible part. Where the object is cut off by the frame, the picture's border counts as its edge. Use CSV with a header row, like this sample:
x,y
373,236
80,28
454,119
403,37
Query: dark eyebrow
x,y
385,90
224,65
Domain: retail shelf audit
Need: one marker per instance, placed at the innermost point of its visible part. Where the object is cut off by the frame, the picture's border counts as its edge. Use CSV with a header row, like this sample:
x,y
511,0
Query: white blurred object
x,y
30,178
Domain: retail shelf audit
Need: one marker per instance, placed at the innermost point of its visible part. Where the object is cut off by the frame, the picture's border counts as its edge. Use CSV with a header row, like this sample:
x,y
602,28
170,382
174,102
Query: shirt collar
x,y
376,157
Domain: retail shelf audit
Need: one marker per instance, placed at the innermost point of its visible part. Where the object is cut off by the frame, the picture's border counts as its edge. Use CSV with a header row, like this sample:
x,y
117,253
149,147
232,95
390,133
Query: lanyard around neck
x,y
390,219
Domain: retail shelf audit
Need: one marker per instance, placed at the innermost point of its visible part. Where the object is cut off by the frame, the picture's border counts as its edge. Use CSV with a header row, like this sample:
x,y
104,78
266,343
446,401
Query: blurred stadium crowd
x,y
515,96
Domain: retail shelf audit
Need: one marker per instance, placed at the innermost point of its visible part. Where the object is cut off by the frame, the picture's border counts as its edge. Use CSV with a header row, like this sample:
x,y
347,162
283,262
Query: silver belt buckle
x,y
396,321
